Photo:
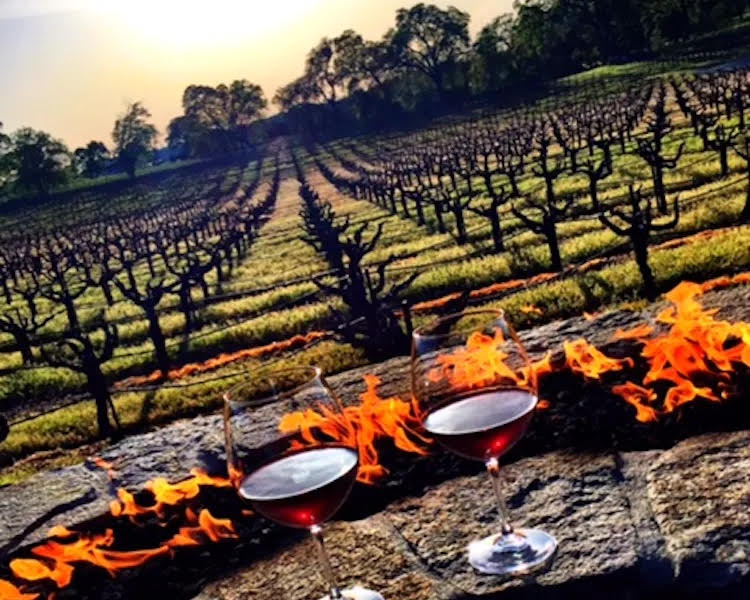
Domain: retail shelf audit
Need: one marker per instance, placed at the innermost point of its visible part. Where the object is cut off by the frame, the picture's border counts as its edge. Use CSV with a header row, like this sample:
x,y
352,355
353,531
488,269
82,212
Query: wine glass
x,y
476,392
292,453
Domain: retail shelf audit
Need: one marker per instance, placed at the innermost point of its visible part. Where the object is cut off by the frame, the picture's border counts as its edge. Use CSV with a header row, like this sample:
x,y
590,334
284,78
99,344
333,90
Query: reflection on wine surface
x,y
304,488
484,425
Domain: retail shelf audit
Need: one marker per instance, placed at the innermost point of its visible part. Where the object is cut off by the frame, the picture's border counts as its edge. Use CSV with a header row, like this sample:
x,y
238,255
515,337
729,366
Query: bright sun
x,y
193,23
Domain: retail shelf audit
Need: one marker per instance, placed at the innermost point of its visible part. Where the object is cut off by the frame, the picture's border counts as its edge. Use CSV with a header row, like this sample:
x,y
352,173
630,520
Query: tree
x,y
638,226
431,40
494,63
360,64
185,135
23,322
224,113
91,159
292,94
321,77
63,283
36,160
552,210
742,149
133,136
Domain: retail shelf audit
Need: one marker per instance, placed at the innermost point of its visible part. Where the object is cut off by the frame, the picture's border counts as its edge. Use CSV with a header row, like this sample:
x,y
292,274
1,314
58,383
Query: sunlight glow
x,y
182,23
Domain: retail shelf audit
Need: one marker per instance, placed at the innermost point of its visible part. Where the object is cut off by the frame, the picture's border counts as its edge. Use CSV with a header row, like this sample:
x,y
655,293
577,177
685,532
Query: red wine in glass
x,y
483,425
303,488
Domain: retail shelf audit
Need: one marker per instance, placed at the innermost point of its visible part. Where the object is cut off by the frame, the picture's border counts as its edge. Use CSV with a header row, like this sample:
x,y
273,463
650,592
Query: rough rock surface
x,y
629,526
700,495
78,493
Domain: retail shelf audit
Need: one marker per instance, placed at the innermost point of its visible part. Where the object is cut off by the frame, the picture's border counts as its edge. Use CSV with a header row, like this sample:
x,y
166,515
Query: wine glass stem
x,y
325,562
493,468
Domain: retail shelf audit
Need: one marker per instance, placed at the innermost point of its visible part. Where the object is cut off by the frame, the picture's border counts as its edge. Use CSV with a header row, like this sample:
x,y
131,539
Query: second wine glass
x,y
476,392
292,453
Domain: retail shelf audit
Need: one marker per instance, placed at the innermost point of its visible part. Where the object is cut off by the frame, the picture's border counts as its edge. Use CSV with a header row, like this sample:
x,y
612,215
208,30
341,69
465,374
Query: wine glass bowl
x,y
476,391
292,453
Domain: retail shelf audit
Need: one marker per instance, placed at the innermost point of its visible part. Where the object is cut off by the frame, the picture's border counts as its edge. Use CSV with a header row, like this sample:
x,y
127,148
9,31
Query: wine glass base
x,y
519,553
358,593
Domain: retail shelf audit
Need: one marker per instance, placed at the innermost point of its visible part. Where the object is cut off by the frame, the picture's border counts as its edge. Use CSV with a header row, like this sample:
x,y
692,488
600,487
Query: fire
x,y
8,591
105,466
93,549
636,333
697,356
203,526
363,425
294,342
96,550
585,359
31,569
482,362
56,557
165,495
639,397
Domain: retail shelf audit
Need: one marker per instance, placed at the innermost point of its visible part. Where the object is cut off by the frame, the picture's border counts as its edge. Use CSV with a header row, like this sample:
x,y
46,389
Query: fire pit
x,y
599,469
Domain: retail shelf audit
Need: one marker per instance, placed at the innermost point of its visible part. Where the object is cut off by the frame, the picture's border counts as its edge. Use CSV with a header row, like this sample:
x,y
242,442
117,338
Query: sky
x,y
70,67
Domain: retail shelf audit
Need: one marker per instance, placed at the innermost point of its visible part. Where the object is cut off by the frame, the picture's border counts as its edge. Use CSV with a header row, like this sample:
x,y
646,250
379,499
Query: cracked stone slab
x,y
699,492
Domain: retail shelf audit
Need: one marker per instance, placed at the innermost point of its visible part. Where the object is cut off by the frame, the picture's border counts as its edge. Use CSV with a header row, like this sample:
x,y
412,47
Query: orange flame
x,y
363,426
94,550
56,558
697,347
204,526
165,495
105,466
481,362
637,333
698,356
585,359
640,398
31,569
8,591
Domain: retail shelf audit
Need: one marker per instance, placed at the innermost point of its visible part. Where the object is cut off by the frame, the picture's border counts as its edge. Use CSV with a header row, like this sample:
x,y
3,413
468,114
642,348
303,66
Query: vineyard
x,y
125,308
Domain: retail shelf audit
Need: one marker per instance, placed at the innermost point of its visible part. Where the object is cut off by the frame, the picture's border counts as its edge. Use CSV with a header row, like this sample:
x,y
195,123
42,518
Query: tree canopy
x,y
430,40
217,119
91,159
34,159
134,136
428,59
